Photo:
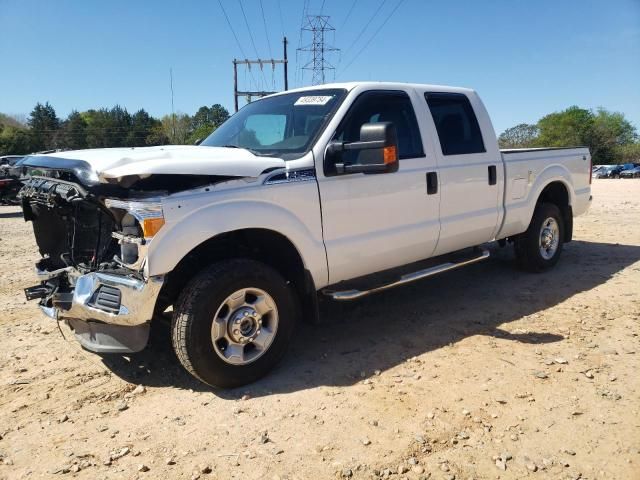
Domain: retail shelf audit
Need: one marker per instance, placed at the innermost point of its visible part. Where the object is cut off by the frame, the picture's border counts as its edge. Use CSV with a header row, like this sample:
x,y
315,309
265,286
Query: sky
x,y
526,58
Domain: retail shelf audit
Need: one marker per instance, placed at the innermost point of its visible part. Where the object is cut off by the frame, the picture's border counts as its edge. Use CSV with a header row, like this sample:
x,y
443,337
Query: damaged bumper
x,y
108,313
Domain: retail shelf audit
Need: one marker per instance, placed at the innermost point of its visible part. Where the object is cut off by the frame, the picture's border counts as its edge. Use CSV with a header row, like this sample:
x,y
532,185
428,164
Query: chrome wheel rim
x,y
244,326
549,238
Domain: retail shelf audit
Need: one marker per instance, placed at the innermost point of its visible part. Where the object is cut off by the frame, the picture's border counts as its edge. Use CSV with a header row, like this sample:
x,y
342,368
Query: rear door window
x,y
456,123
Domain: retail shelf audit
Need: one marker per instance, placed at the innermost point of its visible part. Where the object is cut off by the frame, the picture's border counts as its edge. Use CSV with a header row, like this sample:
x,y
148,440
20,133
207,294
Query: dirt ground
x,y
486,372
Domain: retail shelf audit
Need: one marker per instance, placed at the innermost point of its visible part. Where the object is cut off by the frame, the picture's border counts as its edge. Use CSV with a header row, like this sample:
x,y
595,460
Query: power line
x,y
348,14
364,29
232,30
266,32
249,29
304,14
373,36
261,62
281,22
299,74
236,37
246,22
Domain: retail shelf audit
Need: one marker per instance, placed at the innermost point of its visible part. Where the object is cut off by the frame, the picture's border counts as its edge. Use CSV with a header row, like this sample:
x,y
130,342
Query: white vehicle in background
x,y
336,191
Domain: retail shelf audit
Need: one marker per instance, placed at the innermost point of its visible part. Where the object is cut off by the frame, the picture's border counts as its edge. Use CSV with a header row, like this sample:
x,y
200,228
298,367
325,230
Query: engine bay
x,y
72,228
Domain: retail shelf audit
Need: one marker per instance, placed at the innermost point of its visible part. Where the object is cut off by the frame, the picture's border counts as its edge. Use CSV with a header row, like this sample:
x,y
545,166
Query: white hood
x,y
110,164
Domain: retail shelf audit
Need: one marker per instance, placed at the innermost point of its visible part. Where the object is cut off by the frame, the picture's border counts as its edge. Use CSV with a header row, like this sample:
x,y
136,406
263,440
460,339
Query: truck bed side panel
x,y
528,172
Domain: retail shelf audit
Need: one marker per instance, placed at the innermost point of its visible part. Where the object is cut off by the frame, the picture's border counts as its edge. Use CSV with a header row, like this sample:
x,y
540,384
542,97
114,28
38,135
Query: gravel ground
x,y
485,372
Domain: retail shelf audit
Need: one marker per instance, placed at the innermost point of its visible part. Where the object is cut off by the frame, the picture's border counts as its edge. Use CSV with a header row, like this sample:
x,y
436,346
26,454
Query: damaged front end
x,y
93,247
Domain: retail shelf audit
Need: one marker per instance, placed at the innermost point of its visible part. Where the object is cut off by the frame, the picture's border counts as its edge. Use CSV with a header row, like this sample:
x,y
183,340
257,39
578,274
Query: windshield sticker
x,y
313,100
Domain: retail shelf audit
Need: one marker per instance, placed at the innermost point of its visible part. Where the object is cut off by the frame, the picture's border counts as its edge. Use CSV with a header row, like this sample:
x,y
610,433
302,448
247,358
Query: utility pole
x,y
318,25
286,64
249,94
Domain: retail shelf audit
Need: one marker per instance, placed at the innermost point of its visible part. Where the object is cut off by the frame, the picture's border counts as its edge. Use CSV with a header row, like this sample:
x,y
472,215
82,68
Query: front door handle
x,y
493,175
432,183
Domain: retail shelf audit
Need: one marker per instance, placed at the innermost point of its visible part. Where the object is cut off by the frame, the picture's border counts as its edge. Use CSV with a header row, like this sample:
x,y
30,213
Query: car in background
x,y
630,173
10,173
612,171
608,171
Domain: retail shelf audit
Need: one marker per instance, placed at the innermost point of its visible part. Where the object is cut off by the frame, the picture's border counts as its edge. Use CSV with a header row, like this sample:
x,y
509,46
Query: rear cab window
x,y
456,123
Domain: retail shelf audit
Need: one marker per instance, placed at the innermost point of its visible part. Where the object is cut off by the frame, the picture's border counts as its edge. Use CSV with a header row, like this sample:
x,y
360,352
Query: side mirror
x,y
198,141
375,152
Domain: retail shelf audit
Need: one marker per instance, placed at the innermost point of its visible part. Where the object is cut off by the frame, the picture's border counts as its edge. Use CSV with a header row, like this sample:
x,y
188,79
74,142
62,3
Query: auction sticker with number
x,y
313,100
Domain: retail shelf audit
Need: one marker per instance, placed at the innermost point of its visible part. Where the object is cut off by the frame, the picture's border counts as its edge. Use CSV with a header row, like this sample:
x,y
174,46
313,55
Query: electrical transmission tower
x,y
318,25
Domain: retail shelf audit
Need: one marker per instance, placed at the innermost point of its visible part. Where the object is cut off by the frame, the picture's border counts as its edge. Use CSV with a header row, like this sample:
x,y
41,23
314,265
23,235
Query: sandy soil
x,y
486,372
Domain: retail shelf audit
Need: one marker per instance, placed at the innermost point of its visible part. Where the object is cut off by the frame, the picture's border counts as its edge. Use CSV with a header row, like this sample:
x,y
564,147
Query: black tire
x,y
194,314
527,245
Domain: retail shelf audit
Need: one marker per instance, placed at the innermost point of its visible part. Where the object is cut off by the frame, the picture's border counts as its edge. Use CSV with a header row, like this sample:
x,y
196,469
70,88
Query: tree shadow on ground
x,y
384,330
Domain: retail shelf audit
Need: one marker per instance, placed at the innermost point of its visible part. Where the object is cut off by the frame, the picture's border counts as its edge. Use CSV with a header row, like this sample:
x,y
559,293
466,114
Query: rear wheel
x,y
539,248
233,322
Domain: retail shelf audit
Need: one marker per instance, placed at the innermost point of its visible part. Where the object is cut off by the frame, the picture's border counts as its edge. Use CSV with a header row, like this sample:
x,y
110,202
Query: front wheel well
x,y
557,193
263,245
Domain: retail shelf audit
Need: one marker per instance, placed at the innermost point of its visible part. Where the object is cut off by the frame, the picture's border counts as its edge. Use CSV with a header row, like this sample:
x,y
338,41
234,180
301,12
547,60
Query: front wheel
x,y
232,322
539,248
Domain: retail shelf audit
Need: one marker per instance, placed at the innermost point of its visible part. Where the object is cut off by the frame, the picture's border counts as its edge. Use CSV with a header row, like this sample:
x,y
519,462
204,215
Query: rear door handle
x,y
493,175
432,183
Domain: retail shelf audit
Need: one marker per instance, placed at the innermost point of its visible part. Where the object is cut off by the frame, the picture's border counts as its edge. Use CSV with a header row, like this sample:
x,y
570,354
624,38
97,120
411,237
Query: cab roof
x,y
385,85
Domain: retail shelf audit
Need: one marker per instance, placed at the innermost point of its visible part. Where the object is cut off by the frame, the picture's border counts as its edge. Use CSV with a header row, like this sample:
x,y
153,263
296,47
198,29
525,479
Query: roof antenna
x,y
173,115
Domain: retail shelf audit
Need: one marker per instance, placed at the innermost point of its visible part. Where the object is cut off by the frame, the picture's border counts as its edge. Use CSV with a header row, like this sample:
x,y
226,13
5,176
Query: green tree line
x,y
105,127
611,138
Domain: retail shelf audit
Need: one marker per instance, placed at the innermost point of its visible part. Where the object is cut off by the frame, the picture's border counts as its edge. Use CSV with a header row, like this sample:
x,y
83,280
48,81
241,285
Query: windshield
x,y
283,125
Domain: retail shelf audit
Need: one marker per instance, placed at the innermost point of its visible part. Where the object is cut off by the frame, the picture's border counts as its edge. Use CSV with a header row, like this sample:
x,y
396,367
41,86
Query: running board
x,y
346,295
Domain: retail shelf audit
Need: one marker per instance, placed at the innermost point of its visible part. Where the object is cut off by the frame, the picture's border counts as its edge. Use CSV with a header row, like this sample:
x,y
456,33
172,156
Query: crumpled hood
x,y
110,165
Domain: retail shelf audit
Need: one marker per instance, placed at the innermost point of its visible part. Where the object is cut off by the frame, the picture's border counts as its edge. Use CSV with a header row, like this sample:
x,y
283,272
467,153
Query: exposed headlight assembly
x,y
148,213
140,220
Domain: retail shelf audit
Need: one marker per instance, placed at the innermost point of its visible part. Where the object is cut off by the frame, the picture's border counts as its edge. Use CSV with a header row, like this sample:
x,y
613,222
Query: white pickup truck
x,y
335,191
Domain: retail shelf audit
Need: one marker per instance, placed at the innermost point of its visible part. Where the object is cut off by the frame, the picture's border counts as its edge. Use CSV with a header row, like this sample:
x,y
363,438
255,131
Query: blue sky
x,y
526,58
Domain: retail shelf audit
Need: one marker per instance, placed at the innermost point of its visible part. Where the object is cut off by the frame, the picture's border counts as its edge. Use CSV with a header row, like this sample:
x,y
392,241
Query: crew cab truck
x,y
335,191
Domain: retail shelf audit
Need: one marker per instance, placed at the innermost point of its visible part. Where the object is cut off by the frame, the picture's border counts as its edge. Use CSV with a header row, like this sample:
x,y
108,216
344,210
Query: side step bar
x,y
346,295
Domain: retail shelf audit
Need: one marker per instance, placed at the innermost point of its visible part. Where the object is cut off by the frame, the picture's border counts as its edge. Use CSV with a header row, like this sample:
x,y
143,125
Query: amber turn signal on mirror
x,y
390,154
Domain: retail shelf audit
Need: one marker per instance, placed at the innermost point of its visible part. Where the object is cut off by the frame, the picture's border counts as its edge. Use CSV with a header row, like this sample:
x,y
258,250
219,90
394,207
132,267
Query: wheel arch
x,y
260,244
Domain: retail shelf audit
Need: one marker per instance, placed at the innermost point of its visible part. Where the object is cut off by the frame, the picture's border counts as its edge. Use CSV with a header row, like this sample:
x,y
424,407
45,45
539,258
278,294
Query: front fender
x,y
177,238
